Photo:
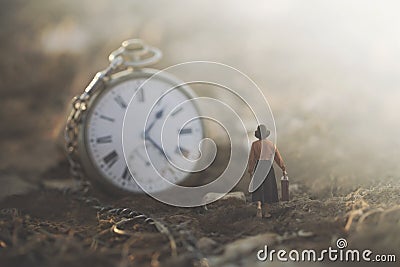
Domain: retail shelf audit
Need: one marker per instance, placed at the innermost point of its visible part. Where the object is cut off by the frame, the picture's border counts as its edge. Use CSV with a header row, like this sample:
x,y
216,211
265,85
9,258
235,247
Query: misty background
x,y
330,71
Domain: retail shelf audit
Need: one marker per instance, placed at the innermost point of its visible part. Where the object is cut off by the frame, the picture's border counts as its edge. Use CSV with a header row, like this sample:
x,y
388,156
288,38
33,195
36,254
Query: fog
x,y
330,70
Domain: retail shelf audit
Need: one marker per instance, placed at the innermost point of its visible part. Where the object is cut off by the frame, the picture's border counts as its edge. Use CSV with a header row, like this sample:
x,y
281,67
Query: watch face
x,y
162,136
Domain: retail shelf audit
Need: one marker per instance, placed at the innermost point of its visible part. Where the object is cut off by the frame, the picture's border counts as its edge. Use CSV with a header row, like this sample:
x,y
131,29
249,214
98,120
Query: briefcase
x,y
285,188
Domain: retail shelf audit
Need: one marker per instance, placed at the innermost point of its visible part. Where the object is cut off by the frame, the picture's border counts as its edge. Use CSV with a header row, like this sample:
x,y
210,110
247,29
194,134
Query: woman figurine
x,y
263,184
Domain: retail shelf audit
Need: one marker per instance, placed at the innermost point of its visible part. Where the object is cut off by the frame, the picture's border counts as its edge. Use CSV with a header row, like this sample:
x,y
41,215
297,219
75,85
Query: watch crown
x,y
132,44
135,53
135,46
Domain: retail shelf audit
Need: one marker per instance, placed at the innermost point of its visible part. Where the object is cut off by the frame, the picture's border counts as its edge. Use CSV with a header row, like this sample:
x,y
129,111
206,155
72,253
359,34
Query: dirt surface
x,y
59,226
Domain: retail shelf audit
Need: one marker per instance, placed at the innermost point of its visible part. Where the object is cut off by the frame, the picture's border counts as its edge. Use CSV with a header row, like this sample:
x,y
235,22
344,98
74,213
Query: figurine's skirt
x,y
267,192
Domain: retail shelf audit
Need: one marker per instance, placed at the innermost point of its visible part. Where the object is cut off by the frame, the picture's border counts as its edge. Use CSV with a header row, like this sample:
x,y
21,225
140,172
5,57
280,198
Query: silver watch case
x,y
89,169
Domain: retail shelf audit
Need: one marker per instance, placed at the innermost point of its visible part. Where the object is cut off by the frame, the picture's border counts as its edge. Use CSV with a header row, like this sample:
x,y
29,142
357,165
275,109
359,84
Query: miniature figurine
x,y
262,172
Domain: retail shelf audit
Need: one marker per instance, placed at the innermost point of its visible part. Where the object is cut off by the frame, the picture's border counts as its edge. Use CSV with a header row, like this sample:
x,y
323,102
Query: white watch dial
x,y
148,157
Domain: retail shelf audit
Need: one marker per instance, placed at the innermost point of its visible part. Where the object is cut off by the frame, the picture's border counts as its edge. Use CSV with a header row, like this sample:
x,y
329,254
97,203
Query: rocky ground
x,y
56,225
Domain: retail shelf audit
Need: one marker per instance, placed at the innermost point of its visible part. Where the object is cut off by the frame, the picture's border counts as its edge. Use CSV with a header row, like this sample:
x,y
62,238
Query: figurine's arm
x,y
279,160
252,159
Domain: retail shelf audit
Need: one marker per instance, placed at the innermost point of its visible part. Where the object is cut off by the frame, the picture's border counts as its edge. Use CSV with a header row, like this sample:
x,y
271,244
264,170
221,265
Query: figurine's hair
x,y
262,132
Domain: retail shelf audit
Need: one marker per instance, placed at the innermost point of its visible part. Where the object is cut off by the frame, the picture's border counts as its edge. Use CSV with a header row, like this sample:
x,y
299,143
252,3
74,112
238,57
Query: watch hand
x,y
158,116
156,146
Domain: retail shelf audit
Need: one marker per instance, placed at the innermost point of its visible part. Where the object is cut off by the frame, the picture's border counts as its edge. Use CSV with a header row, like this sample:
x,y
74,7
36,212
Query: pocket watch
x,y
93,132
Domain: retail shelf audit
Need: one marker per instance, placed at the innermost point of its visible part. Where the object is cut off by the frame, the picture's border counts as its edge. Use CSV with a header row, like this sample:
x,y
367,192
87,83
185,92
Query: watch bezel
x,y
90,170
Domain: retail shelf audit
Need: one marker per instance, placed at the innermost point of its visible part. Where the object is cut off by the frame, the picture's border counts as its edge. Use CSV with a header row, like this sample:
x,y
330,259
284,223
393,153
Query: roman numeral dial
x,y
120,101
104,133
111,158
104,139
151,112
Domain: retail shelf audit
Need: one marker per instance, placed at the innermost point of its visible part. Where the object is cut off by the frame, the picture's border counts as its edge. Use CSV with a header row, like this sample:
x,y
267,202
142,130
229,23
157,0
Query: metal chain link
x,y
79,107
71,136
132,53
128,215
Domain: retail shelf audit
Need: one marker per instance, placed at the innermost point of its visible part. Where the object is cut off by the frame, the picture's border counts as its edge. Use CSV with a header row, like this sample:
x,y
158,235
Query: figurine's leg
x,y
259,210
267,214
